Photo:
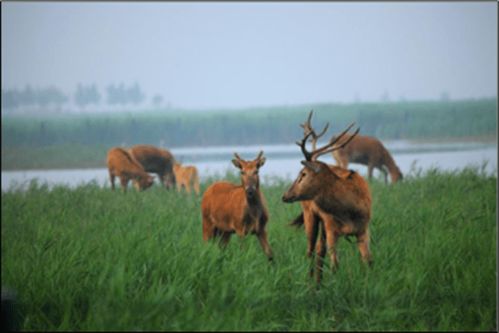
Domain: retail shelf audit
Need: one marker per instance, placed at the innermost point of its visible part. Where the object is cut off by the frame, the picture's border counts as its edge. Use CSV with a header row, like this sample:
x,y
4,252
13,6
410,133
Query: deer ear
x,y
261,162
236,163
338,176
315,167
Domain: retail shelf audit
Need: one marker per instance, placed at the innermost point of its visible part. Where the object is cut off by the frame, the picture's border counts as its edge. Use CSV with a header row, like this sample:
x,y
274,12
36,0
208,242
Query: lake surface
x,y
283,161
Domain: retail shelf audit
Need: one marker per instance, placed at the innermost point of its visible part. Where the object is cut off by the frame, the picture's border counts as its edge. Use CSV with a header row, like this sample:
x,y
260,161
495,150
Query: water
x,y
283,161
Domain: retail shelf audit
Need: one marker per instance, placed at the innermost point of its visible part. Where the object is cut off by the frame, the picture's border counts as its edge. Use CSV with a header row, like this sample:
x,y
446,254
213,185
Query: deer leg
x,y
331,239
321,252
162,179
124,183
370,171
196,185
208,229
385,173
112,178
224,239
262,237
363,245
171,179
311,229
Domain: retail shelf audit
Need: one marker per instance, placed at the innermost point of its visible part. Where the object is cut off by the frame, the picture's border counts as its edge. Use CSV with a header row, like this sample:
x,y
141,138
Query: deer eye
x,y
301,177
242,172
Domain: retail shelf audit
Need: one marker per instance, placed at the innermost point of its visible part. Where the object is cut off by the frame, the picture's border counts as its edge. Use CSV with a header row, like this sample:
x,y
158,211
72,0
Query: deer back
x,y
153,159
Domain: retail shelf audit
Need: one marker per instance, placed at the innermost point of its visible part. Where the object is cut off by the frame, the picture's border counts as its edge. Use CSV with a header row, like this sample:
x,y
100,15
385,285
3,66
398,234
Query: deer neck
x,y
329,193
255,200
392,168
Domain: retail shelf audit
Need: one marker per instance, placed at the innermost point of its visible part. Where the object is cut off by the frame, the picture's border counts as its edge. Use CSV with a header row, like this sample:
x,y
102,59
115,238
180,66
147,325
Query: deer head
x,y
249,173
397,175
143,183
315,174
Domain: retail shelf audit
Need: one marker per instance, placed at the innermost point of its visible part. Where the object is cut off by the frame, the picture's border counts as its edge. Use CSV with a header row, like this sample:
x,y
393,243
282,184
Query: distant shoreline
x,y
93,157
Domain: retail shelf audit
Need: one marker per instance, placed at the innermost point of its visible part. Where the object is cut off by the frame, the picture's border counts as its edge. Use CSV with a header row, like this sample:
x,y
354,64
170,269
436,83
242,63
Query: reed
x,y
87,258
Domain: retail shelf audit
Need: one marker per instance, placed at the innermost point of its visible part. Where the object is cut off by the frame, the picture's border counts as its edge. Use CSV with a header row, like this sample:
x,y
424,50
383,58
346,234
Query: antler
x,y
259,155
237,156
312,156
307,154
307,128
257,158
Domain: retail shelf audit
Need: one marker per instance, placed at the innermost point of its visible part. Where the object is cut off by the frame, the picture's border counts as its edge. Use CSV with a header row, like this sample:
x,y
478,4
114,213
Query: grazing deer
x,y
185,176
155,160
228,208
371,152
336,202
120,163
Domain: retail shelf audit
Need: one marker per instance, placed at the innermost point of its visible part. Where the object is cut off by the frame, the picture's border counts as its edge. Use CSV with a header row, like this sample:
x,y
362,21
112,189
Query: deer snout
x,y
250,191
286,197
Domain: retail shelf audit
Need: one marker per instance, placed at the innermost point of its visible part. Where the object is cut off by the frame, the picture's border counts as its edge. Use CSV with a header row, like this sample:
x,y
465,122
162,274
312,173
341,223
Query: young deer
x,y
336,202
120,163
185,175
228,208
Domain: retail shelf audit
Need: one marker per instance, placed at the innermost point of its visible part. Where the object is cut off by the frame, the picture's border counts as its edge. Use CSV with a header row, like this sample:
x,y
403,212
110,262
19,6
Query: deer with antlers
x,y
228,208
336,202
314,137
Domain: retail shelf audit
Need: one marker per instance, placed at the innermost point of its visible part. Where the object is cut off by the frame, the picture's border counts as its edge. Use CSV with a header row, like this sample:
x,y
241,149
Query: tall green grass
x,y
92,259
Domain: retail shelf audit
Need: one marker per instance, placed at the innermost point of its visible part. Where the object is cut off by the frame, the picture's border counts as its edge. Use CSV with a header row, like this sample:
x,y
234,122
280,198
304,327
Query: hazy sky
x,y
240,54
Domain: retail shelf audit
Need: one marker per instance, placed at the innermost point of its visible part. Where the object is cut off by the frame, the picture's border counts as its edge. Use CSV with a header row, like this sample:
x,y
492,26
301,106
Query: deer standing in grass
x,y
368,151
314,137
185,175
228,208
120,163
336,202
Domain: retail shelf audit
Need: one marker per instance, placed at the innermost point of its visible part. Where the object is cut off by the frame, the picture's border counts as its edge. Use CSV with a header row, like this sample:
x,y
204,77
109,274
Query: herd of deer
x,y
335,201
135,163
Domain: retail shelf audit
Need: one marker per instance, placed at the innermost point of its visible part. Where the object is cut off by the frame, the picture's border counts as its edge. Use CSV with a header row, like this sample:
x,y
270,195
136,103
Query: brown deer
x,y
336,202
121,164
228,208
368,151
155,160
185,176
308,129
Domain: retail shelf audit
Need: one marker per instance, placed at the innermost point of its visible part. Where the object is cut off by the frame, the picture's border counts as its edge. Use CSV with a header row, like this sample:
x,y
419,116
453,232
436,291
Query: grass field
x,y
92,259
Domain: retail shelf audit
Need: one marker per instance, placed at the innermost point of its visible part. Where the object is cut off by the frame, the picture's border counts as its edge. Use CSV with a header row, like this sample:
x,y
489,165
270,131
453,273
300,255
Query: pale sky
x,y
242,54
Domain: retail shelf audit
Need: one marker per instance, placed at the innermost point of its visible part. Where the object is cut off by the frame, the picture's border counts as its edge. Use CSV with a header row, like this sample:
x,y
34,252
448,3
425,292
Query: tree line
x,y
422,120
83,96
